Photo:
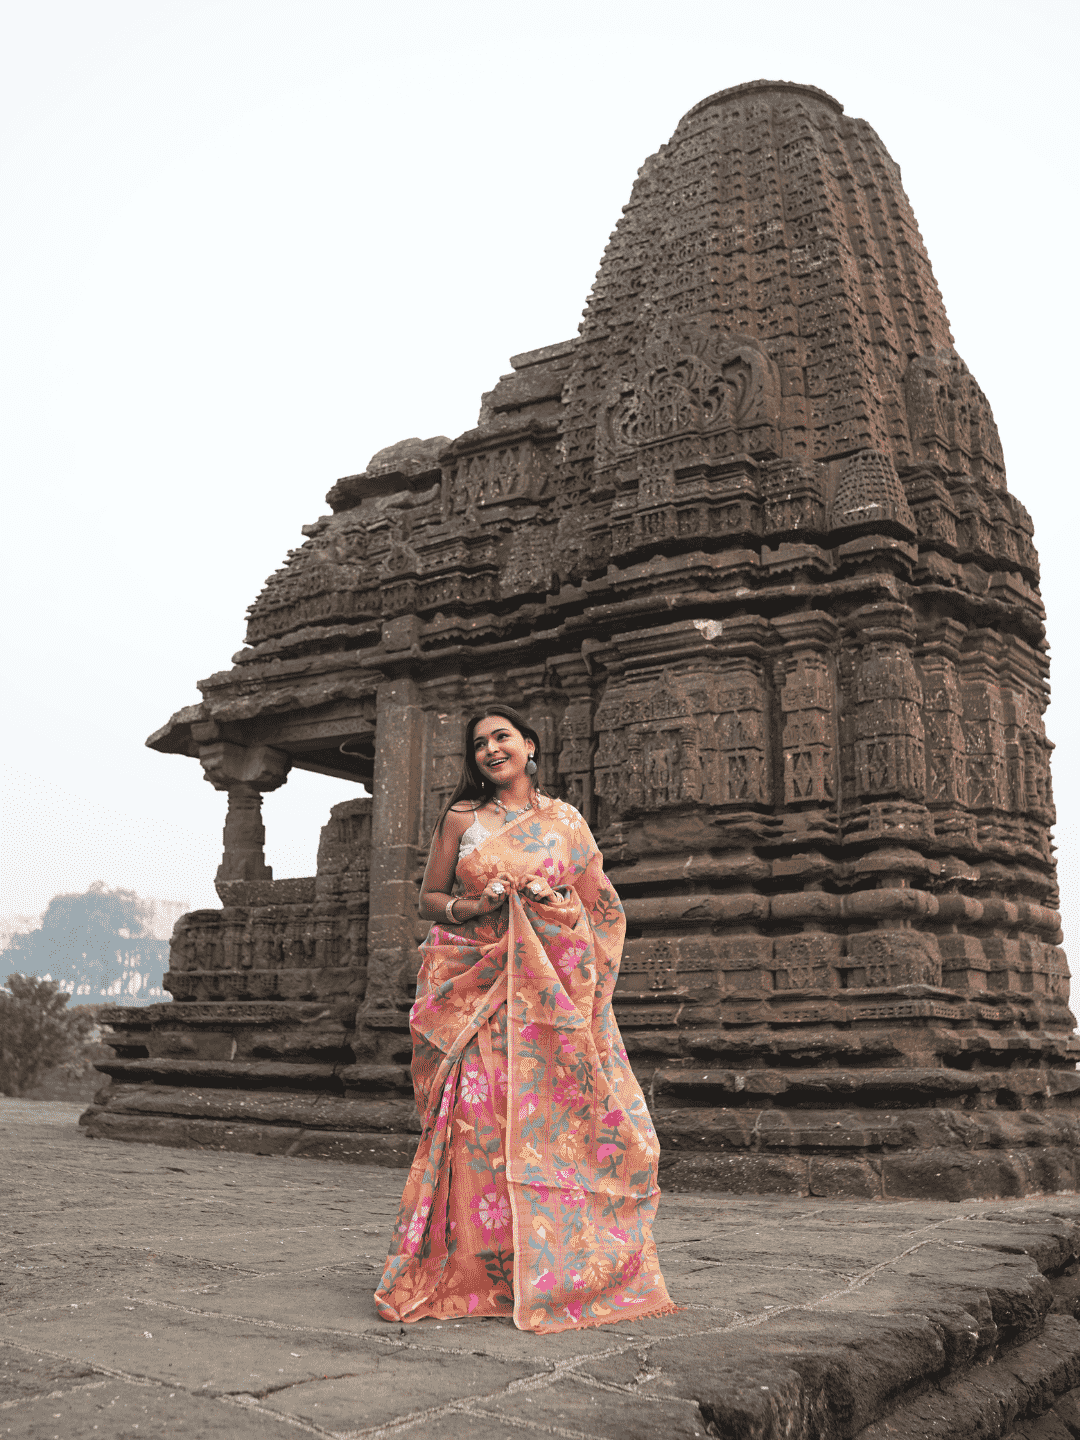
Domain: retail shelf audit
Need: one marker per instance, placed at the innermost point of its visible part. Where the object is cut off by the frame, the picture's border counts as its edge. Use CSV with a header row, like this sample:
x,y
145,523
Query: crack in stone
x,y
590,1382
860,1280
937,1224
151,1382
51,1394
292,1384
562,1369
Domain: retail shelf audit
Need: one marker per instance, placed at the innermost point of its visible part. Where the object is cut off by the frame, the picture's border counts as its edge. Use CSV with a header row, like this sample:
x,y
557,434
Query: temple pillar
x,y
244,836
244,773
395,824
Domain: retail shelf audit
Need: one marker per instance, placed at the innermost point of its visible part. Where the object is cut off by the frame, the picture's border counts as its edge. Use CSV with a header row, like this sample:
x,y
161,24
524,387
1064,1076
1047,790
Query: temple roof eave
x,y
174,737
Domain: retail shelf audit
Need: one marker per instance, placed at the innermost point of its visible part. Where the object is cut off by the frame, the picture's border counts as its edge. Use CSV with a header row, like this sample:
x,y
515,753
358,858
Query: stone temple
x,y
743,551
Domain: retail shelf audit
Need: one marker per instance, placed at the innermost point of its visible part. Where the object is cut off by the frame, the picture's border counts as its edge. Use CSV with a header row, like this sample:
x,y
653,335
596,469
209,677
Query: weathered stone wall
x,y
744,553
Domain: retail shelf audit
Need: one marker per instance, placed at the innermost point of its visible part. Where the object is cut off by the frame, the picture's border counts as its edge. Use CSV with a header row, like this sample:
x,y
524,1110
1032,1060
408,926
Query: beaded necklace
x,y
509,815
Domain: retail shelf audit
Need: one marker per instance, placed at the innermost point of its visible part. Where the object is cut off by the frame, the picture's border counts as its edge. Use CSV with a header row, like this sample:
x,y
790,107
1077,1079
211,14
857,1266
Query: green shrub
x,y
39,1034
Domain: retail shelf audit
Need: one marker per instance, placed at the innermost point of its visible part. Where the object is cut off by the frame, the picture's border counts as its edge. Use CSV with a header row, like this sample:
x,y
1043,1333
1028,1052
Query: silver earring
x,y
530,766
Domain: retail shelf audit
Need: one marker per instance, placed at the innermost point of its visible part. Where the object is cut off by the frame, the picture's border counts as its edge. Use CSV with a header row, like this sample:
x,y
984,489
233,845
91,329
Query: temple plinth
x,y
744,553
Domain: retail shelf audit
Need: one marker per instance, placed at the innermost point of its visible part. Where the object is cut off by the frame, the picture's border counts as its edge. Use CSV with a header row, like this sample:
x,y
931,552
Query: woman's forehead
x,y
490,723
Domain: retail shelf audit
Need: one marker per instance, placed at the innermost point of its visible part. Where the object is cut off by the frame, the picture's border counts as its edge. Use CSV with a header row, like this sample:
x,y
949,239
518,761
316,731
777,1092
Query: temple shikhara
x,y
744,553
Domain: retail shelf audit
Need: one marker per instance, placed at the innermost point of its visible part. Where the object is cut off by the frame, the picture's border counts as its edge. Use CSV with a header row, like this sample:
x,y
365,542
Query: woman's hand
x,y
494,895
537,889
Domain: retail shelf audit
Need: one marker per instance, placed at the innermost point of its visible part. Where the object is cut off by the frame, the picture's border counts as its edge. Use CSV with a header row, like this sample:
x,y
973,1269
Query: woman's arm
x,y
437,887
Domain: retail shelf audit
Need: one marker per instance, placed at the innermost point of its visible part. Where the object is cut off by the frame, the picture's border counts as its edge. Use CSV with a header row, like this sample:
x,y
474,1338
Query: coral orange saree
x,y
534,1188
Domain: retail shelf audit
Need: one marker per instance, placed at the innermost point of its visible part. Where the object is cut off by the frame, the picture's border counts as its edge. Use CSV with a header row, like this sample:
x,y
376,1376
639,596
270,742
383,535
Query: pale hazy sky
x,y
246,243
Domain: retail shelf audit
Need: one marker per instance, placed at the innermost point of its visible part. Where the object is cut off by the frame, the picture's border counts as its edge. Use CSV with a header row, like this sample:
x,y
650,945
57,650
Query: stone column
x,y
244,836
575,758
243,772
806,684
395,823
883,763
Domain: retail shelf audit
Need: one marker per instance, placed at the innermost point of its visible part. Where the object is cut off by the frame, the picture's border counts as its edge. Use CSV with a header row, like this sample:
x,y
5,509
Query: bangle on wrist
x,y
450,909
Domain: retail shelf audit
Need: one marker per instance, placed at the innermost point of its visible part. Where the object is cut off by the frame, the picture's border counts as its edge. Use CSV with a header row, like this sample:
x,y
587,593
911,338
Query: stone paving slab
x,y
152,1291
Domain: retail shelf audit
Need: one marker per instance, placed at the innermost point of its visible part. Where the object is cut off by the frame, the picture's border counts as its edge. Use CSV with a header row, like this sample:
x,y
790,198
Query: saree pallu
x,y
534,1188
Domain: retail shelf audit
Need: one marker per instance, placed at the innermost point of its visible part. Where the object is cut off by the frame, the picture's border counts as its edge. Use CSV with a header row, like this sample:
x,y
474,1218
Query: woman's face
x,y
500,749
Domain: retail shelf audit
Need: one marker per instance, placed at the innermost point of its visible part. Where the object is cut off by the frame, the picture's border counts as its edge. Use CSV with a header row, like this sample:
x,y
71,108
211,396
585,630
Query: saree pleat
x,y
533,1188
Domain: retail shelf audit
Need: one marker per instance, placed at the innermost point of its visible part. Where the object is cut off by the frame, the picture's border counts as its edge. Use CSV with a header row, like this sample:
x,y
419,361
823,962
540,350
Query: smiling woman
x,y
534,1187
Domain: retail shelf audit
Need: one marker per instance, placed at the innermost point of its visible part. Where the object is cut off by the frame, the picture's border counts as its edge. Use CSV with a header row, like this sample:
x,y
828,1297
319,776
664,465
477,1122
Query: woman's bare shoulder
x,y
460,816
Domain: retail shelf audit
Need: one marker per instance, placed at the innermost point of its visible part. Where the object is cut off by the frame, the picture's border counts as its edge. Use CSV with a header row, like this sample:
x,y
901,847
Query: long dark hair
x,y
473,785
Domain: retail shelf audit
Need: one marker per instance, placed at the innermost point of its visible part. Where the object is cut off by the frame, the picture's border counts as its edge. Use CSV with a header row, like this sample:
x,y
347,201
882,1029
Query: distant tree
x,y
96,946
39,1034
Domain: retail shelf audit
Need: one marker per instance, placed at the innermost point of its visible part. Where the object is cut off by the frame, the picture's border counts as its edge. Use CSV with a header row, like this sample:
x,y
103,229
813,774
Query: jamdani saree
x,y
534,1186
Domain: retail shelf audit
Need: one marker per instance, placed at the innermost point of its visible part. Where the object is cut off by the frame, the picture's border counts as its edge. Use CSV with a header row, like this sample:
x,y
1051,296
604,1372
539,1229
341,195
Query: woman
x,y
534,1187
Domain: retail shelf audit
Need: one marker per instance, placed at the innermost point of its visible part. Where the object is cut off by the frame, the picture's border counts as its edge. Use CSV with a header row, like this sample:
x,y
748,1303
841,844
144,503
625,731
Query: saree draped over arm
x,y
534,1187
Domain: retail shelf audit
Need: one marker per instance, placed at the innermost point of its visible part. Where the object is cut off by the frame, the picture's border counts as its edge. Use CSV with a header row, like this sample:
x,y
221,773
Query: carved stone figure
x,y
743,552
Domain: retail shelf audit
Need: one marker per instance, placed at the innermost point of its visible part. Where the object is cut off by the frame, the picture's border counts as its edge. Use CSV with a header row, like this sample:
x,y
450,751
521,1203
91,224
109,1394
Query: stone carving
x,y
869,492
948,415
511,472
807,704
689,384
688,739
794,499
744,552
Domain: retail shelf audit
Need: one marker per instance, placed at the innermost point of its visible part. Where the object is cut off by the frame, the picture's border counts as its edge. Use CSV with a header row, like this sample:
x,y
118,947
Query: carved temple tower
x,y
743,551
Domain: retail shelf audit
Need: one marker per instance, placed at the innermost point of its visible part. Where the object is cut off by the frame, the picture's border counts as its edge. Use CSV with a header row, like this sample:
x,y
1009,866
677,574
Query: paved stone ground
x,y
150,1291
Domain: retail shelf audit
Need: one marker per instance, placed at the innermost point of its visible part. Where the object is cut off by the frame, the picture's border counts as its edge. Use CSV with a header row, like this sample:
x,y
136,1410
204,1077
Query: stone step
x,y
267,1107
357,1147
1003,1397
852,1154
958,1336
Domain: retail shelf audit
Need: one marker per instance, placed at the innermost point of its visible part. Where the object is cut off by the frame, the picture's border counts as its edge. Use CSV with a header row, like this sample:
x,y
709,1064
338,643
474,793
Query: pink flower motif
x,y
492,1212
565,954
530,1032
416,1228
630,1269
474,1301
563,1001
474,1088
603,1151
619,1234
612,1118
577,1280
567,1091
542,1192
528,1105
573,1309
546,1281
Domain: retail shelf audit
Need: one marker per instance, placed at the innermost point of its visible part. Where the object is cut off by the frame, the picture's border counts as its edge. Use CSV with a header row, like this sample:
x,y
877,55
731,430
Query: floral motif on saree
x,y
534,1187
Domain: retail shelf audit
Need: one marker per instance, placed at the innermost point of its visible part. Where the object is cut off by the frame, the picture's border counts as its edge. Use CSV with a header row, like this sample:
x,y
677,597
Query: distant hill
x,y
102,947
